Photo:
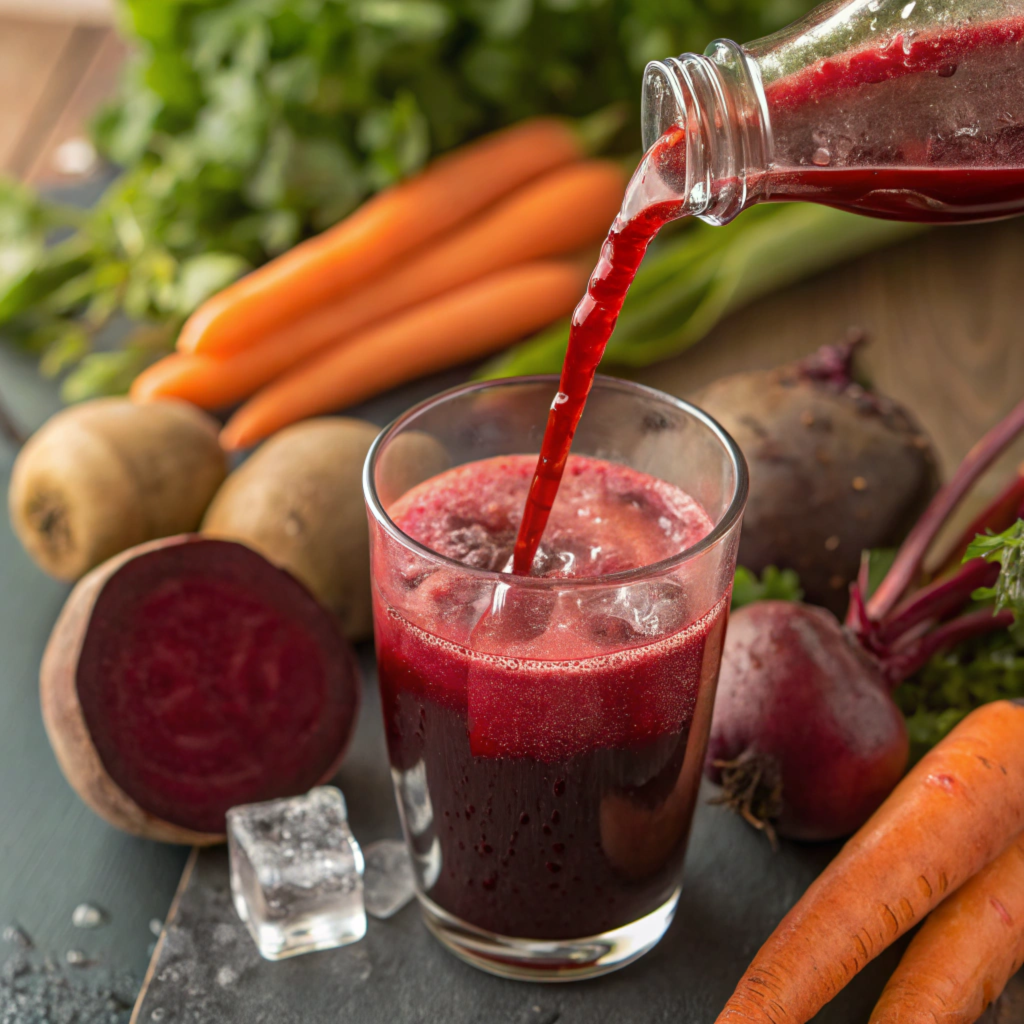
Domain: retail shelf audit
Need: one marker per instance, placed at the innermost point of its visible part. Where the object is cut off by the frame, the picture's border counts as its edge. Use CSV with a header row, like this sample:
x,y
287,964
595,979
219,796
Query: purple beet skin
x,y
805,734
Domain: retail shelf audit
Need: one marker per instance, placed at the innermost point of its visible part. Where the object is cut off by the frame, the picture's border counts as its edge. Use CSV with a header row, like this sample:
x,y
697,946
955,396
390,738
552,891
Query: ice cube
x,y
415,798
516,617
473,544
296,873
388,881
634,614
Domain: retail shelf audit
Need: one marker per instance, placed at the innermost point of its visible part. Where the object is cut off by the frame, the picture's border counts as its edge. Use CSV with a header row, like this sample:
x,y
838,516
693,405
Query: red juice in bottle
x,y
926,126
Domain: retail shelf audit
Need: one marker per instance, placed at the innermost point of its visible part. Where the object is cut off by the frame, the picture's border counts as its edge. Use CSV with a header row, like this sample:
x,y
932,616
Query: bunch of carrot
x,y
483,247
948,843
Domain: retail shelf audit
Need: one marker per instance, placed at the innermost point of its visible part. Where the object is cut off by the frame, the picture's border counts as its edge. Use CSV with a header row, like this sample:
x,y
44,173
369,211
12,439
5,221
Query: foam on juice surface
x,y
607,517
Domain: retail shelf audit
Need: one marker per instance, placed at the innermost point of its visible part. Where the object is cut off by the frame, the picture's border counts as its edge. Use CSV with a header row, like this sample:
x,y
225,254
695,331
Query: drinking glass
x,y
547,803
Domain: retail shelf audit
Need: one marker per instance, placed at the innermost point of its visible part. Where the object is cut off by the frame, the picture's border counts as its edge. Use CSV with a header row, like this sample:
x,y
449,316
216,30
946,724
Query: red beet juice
x,y
561,750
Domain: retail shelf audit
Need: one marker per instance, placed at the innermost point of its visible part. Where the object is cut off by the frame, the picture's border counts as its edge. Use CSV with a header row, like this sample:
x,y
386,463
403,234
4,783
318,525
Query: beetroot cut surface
x,y
209,678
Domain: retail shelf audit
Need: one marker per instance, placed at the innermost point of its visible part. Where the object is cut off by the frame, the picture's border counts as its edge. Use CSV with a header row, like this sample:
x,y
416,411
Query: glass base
x,y
537,960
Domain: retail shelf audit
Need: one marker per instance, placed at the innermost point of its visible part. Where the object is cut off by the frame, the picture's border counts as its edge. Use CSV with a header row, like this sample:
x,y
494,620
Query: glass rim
x,y
719,531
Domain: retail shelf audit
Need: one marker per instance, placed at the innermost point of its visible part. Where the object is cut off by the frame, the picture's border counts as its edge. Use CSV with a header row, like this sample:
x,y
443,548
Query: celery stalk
x,y
694,279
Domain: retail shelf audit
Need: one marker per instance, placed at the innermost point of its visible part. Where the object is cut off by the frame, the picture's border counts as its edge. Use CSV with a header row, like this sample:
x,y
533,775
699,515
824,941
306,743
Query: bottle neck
x,y
716,104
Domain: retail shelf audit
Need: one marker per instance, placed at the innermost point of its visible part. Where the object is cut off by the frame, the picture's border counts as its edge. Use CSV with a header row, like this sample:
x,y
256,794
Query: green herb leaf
x,y
204,275
774,585
1006,548
956,682
879,563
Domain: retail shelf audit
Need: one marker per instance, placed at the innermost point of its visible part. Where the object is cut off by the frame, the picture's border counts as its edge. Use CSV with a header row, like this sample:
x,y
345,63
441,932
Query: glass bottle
x,y
907,109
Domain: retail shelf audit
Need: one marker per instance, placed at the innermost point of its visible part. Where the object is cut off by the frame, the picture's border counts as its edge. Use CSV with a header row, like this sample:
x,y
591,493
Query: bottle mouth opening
x,y
663,103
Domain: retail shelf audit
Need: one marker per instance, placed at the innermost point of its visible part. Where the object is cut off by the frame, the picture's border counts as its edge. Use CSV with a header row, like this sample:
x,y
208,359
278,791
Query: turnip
x,y
806,739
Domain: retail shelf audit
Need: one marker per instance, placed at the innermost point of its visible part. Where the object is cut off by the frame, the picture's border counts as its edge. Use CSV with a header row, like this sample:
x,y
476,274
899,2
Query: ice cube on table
x,y
297,873
388,880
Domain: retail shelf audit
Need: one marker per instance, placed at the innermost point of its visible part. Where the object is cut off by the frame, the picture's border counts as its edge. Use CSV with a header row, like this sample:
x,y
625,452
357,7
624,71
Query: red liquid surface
x,y
559,736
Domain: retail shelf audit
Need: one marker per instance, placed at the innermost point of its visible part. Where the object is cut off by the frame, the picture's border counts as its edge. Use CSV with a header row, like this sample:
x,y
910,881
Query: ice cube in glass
x,y
297,873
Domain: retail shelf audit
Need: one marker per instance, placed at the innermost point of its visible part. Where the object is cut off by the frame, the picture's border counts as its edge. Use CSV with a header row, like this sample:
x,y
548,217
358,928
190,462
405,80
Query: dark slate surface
x,y
735,890
54,853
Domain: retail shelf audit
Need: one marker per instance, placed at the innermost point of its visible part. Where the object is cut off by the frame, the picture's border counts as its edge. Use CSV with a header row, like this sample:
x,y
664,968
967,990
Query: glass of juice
x,y
547,732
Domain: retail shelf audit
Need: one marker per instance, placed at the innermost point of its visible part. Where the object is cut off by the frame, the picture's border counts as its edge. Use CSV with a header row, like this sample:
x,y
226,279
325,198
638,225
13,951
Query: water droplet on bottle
x,y
946,71
908,41
908,10
821,157
874,5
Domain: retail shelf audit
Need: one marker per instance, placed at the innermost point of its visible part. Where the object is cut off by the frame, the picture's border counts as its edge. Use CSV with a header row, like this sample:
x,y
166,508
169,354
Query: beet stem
x,y
908,560
936,601
898,667
833,364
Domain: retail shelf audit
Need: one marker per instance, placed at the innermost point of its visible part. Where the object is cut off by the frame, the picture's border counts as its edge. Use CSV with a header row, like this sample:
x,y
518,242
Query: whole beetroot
x,y
805,734
806,739
834,469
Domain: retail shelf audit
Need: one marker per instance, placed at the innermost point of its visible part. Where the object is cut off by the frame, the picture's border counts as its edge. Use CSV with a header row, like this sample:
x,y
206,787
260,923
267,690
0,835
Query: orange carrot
x,y
202,380
954,812
965,952
454,187
464,324
557,214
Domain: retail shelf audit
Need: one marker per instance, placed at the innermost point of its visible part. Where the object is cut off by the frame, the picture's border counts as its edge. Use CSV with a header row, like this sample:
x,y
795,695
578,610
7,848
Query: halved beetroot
x,y
185,676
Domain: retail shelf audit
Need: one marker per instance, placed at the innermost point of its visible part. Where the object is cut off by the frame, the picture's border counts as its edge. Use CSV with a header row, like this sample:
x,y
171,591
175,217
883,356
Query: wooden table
x,y
53,76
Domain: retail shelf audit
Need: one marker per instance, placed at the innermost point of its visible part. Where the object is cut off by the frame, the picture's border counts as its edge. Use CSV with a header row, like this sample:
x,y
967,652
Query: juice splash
x,y
592,324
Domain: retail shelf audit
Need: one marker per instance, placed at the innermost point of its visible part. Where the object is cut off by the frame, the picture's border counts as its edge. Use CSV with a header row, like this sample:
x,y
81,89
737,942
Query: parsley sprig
x,y
1006,548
